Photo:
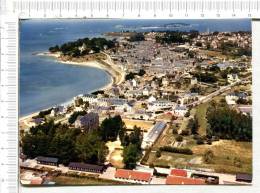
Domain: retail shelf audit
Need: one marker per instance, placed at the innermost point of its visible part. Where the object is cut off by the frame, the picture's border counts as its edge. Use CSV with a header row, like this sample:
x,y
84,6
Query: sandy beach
x,y
107,65
117,75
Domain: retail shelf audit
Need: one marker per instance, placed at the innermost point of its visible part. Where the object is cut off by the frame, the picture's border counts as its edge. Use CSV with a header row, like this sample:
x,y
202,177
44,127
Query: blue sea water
x,y
45,82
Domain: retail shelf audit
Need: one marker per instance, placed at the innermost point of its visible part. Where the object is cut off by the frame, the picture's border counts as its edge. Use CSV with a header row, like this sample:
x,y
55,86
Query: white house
x,y
165,82
151,99
146,91
90,98
58,110
160,105
134,83
180,111
193,81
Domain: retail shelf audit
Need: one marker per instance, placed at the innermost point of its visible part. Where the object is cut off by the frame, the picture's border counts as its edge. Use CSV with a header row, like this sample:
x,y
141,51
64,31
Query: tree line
x,y
227,123
70,144
94,45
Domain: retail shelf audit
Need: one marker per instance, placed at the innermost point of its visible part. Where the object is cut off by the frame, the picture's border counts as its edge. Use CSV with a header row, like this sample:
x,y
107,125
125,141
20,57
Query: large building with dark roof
x,y
47,160
88,122
86,167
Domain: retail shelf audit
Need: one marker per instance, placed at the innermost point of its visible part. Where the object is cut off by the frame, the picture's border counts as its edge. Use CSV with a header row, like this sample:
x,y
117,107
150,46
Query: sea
x,y
45,82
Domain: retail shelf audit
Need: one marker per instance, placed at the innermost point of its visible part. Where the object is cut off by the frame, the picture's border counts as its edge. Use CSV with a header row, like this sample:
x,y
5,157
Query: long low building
x,y
86,167
133,176
47,160
179,180
153,134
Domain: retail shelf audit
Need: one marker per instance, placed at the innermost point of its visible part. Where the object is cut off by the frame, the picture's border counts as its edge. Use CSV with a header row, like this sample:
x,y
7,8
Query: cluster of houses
x,y
214,40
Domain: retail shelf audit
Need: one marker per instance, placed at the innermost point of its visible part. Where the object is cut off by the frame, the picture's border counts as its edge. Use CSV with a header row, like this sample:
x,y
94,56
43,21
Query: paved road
x,y
216,93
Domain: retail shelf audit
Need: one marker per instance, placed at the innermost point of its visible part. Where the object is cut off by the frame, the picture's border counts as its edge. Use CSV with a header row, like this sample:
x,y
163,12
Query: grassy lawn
x,y
66,180
145,125
225,153
201,114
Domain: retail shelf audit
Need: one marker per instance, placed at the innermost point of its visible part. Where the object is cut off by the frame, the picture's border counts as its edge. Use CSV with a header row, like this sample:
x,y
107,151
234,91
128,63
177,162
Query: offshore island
x,y
177,111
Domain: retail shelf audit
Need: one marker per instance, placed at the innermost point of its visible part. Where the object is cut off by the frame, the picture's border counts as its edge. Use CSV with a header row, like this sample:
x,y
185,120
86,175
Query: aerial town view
x,y
121,102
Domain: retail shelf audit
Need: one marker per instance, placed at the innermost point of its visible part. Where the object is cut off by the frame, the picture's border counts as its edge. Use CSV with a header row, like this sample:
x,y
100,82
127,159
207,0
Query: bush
x,y
200,141
209,142
185,132
179,138
174,131
186,151
158,154
208,156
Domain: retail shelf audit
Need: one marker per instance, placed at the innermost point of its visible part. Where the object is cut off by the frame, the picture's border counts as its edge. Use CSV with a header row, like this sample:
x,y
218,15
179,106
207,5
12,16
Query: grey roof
x,y
87,118
244,177
47,159
156,131
181,108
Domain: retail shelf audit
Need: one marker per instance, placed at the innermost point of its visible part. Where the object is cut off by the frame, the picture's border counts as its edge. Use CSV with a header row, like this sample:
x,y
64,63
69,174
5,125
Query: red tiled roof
x,y
36,181
133,175
171,180
179,172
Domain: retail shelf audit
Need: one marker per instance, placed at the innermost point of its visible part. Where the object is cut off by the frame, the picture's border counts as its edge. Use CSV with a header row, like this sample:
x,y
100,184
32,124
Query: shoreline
x,y
116,74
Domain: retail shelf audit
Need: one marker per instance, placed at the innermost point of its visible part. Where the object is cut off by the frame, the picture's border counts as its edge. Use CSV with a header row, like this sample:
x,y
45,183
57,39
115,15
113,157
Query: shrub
x,y
179,138
208,156
185,132
174,131
200,141
158,154
186,151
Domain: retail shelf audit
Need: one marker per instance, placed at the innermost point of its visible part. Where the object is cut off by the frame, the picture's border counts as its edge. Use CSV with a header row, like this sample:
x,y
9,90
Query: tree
x,y
136,137
158,153
208,156
90,148
179,138
193,125
136,37
141,72
130,156
62,146
75,115
227,123
54,49
110,128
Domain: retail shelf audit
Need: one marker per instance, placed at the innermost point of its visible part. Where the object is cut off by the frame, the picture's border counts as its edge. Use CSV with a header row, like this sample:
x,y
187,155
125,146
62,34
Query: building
x,y
58,110
87,122
245,109
244,178
86,167
232,78
89,98
153,134
36,121
47,160
160,105
193,81
151,99
133,176
180,111
179,172
179,180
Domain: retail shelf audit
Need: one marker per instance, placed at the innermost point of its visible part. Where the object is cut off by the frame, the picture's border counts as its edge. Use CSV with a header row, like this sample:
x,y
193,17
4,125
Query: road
x,y
218,92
